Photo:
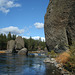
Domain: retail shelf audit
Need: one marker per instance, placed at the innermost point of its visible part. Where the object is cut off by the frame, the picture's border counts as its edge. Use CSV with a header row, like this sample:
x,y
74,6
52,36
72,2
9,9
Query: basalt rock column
x,y
59,24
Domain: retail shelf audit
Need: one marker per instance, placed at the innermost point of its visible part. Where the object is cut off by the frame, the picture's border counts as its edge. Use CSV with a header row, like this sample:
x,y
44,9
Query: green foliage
x,y
14,37
52,53
33,45
30,43
9,36
49,53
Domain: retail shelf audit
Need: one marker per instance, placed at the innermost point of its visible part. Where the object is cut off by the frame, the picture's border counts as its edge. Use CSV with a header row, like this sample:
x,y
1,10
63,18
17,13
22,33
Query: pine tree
x,y
4,42
1,42
14,37
9,36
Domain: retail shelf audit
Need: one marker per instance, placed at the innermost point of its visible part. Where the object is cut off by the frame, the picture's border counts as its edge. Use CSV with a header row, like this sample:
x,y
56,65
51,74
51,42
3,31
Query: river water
x,y
20,65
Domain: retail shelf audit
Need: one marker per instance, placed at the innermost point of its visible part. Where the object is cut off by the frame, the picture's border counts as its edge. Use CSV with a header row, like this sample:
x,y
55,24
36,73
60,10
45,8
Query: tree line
x,y
30,43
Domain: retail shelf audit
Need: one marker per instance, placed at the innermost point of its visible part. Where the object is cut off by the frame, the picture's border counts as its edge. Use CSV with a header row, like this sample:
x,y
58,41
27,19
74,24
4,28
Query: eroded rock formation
x,y
11,46
60,24
17,45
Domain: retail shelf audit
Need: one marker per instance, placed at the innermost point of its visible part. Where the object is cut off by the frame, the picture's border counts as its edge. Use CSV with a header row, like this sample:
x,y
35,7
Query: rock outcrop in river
x,y
60,24
17,45
11,46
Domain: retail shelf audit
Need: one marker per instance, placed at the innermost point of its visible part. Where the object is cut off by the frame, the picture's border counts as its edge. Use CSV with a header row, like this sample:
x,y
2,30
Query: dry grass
x,y
63,58
34,52
2,52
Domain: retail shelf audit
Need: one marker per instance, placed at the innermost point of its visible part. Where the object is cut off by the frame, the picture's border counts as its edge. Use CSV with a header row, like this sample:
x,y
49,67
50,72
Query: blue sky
x,y
23,17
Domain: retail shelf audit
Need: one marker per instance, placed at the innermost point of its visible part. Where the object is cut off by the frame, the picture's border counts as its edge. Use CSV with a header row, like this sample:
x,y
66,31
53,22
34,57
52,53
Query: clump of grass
x,y
48,53
34,52
67,58
70,65
63,57
52,54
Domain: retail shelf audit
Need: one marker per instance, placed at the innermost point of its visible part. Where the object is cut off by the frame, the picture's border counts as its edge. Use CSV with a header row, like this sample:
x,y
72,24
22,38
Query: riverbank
x,y
3,51
59,62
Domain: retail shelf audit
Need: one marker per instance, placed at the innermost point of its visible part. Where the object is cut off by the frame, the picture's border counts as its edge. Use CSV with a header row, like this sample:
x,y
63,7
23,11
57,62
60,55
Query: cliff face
x,y
59,24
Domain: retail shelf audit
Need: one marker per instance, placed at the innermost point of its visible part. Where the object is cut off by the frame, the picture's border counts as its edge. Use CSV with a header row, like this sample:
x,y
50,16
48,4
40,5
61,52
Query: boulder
x,y
11,46
23,52
35,54
47,60
59,24
18,46
46,51
19,43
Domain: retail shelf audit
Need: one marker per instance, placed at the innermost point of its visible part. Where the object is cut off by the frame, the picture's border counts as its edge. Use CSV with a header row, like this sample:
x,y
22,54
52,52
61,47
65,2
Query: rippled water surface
x,y
20,65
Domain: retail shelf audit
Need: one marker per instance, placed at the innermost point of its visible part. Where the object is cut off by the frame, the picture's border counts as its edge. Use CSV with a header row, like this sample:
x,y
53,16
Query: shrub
x,y
52,53
70,65
63,58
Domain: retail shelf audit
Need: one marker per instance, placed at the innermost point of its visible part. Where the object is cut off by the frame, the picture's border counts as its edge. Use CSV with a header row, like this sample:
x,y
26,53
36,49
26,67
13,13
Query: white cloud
x,y
38,25
5,5
4,10
13,30
35,38
26,37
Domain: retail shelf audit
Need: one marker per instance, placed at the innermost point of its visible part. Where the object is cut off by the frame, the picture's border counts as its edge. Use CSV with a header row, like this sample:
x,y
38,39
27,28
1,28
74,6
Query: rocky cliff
x,y
59,24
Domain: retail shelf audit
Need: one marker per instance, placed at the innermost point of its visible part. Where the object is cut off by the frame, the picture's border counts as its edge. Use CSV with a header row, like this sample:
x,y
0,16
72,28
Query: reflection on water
x,y
20,65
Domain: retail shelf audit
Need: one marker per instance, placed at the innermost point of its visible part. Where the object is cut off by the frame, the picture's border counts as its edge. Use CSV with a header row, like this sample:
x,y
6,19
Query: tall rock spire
x,y
60,24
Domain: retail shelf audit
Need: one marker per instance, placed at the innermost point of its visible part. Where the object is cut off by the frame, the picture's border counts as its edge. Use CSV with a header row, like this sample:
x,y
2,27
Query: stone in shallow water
x,y
47,60
23,51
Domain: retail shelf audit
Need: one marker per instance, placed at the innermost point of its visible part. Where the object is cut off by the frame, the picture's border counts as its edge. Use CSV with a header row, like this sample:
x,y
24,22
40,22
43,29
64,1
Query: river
x,y
12,64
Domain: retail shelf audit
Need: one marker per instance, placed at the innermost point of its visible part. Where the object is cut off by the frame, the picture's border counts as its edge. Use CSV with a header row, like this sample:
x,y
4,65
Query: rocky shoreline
x,y
59,66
